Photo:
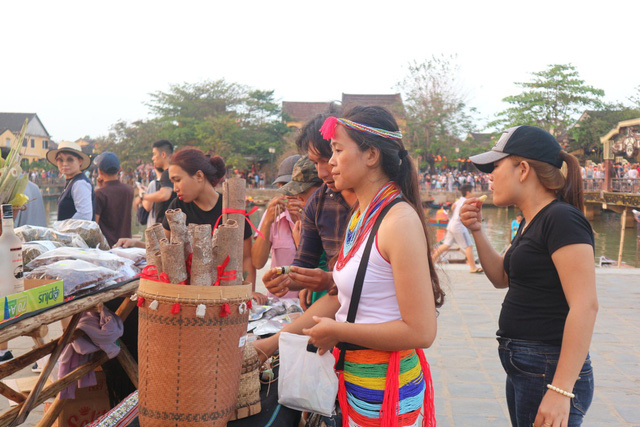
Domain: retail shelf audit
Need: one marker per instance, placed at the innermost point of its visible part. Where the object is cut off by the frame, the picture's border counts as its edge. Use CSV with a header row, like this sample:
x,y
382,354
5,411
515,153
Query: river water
x,y
606,227
497,227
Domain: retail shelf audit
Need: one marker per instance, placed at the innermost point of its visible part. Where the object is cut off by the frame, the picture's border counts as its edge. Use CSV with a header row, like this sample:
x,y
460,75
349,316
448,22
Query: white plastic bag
x,y
307,381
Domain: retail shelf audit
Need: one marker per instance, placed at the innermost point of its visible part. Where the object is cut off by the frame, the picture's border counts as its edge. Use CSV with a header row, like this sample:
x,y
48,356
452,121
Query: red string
x,y
225,310
241,212
429,419
224,275
175,308
189,261
140,302
149,272
390,402
342,391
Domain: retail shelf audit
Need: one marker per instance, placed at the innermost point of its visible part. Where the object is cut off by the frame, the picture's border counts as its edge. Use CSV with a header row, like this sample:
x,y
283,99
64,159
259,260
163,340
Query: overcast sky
x,y
84,65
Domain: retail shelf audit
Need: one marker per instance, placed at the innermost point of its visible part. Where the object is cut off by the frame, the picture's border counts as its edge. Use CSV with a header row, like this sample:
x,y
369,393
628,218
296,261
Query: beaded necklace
x,y
360,224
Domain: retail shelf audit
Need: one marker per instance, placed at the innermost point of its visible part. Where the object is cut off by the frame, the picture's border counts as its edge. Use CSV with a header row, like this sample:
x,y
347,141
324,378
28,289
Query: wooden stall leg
x,y
13,395
29,404
52,414
128,364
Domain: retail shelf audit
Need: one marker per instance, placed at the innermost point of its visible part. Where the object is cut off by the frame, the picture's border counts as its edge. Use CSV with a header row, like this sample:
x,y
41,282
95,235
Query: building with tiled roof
x,y
296,114
36,140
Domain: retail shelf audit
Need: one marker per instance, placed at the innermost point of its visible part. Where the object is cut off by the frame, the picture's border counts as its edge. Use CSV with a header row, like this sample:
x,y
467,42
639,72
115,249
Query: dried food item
x,y
29,233
88,230
202,260
179,233
137,255
94,256
77,275
173,261
32,250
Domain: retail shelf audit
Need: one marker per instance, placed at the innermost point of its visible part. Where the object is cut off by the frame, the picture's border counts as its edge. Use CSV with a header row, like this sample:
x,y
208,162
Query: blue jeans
x,y
530,366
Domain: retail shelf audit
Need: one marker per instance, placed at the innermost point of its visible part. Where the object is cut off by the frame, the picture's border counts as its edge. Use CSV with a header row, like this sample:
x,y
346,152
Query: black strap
x,y
359,281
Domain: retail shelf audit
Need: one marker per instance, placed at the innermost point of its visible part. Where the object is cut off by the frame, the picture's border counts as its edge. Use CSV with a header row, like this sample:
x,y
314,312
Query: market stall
x,y
26,324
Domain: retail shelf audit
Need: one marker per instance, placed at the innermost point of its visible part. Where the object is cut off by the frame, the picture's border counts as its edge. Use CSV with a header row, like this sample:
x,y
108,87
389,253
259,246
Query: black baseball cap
x,y
529,142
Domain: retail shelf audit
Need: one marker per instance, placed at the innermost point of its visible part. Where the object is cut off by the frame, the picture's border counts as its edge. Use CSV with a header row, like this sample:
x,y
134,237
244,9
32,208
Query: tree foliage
x,y
437,113
131,142
553,100
586,133
231,120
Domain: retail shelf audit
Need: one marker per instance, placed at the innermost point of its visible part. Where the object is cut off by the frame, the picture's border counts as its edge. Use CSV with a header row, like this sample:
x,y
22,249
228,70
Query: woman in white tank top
x,y
396,315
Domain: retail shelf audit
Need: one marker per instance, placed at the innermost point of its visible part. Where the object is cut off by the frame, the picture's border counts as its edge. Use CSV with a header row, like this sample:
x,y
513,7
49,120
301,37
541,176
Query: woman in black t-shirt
x,y
194,178
549,311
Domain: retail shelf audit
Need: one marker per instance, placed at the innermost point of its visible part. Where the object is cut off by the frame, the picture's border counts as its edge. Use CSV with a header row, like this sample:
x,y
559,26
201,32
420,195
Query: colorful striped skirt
x,y
381,388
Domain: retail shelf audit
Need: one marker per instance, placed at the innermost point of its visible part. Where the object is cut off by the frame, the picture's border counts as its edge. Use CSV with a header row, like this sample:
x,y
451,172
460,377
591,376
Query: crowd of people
x,y
453,179
332,231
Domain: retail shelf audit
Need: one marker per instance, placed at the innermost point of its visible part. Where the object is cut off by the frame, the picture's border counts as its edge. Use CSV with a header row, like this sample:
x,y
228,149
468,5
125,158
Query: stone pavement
x,y
468,377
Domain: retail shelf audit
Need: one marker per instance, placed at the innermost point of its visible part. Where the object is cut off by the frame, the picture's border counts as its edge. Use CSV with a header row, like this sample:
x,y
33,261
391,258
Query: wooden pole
x,y
624,221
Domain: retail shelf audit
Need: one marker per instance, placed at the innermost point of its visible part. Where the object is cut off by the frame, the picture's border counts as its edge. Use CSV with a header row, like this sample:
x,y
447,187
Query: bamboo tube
x,y
226,243
173,261
624,222
202,262
234,197
153,235
179,233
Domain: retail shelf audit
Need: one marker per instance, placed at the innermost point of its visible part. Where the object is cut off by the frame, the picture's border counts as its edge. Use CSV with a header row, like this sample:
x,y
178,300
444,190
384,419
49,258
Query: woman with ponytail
x,y
550,308
195,176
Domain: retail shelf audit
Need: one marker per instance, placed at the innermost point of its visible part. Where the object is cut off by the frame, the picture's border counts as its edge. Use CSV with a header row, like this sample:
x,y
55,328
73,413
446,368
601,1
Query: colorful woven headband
x,y
328,129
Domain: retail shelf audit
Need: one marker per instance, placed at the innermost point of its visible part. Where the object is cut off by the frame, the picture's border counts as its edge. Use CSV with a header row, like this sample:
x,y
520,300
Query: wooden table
x,y
30,325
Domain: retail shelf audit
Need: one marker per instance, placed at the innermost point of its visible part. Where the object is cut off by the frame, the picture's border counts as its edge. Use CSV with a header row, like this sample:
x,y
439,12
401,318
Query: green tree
x,y
553,100
586,132
437,113
635,98
231,120
131,142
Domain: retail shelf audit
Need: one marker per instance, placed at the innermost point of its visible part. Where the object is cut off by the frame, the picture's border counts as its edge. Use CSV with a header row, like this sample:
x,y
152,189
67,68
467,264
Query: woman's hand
x,y
471,214
275,207
129,243
260,299
305,298
276,283
553,411
323,334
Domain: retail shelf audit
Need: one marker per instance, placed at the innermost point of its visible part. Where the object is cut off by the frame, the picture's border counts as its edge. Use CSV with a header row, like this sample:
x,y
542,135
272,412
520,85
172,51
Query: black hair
x,y
397,165
465,189
192,160
310,137
164,145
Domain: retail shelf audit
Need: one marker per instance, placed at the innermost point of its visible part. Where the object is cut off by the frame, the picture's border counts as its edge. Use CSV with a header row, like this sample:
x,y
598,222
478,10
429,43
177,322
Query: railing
x,y
625,185
618,185
593,184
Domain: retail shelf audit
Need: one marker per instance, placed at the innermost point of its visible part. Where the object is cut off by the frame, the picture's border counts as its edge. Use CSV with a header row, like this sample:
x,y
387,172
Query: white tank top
x,y
378,302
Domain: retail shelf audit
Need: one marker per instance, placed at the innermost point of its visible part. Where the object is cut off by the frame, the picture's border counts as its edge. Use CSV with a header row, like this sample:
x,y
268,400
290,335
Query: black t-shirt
x,y
161,207
196,215
535,307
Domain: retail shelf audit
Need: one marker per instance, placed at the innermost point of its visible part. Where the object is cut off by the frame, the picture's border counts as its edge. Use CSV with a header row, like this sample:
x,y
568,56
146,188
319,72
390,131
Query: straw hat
x,y
69,147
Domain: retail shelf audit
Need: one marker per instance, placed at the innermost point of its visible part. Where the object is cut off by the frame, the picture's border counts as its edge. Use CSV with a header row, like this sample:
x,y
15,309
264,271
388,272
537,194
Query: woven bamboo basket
x,y
248,402
189,367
